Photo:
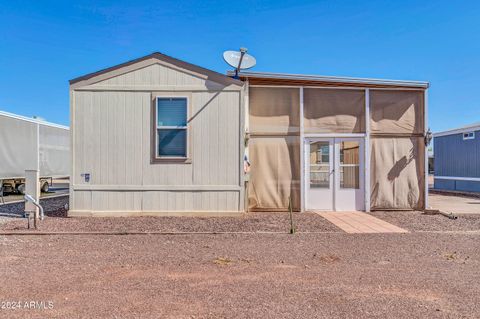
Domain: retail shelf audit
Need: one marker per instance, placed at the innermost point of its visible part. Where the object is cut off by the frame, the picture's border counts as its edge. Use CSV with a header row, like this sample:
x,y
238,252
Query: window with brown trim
x,y
171,127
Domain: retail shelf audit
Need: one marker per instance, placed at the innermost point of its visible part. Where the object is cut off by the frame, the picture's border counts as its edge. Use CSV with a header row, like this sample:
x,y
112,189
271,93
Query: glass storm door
x,y
334,174
319,169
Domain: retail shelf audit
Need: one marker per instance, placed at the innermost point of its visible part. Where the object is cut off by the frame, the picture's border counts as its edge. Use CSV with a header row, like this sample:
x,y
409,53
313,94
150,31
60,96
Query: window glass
x,y
320,165
172,127
172,112
469,136
172,142
349,165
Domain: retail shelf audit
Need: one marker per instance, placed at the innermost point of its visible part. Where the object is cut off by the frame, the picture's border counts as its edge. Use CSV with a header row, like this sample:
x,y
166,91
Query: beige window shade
x,y
397,173
274,173
334,111
274,110
396,111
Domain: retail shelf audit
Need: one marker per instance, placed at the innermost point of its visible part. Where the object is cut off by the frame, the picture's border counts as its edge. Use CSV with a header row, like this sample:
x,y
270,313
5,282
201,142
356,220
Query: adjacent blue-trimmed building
x,y
457,159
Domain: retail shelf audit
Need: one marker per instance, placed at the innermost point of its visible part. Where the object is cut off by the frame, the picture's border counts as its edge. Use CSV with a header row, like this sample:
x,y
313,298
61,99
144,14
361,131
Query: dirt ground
x,y
334,275
420,222
320,272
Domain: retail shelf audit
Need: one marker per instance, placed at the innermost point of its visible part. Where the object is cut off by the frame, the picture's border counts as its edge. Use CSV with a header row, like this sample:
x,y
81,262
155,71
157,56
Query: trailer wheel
x,y
21,189
45,187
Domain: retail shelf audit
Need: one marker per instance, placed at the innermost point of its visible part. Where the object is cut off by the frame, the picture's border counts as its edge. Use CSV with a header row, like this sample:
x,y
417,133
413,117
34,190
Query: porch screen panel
x,y
397,165
274,110
395,111
274,173
334,110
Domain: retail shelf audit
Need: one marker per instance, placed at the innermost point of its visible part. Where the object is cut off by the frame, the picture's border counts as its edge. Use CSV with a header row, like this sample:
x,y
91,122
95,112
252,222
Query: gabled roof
x,y
304,79
212,75
462,129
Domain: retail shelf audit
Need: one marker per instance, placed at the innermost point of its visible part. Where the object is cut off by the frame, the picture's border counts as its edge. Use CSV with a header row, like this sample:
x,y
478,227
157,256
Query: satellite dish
x,y
240,60
233,58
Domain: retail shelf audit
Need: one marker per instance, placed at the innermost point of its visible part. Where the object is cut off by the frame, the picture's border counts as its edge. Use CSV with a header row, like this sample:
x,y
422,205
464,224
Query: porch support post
x,y
302,159
244,140
367,150
247,107
425,128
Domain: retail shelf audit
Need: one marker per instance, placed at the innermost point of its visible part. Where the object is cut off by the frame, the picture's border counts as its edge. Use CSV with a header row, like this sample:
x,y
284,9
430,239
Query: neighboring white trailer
x,y
27,143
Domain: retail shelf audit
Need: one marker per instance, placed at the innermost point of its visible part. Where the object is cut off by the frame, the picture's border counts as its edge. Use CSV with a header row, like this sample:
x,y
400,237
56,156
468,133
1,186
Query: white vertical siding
x,y
108,131
153,75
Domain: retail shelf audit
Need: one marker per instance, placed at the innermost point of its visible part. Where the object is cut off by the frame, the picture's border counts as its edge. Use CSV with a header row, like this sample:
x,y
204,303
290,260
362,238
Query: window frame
x,y
468,137
156,158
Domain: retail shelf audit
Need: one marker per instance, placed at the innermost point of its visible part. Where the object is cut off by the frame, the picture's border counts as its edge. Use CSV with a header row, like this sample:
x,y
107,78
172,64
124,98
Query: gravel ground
x,y
330,275
418,221
252,222
54,207
267,222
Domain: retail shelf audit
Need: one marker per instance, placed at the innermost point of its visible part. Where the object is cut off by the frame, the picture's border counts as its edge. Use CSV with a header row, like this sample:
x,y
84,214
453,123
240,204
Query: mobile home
x,y
158,136
457,161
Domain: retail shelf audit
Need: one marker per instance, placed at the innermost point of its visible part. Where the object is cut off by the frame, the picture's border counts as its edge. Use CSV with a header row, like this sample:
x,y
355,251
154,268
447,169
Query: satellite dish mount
x,y
242,53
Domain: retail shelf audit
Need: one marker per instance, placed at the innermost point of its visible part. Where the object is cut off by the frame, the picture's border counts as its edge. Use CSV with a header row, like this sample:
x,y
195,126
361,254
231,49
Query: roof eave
x,y
331,79
460,130
158,56
109,69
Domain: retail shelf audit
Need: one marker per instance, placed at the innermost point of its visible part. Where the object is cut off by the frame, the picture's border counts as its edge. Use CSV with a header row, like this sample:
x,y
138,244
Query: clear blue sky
x,y
43,44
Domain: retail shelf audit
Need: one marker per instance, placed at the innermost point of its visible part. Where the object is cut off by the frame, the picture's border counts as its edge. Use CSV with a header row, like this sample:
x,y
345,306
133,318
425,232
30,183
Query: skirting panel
x,y
457,185
118,203
86,213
